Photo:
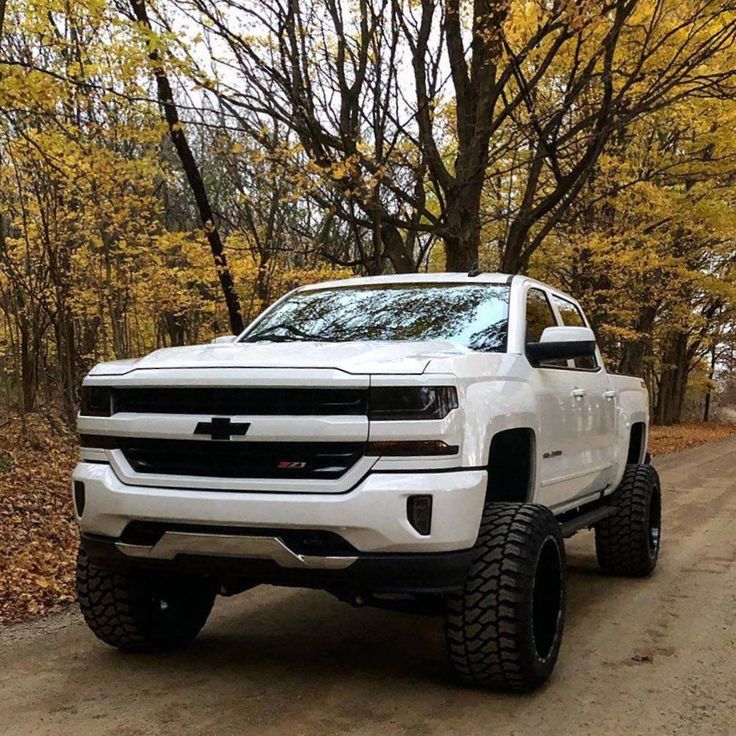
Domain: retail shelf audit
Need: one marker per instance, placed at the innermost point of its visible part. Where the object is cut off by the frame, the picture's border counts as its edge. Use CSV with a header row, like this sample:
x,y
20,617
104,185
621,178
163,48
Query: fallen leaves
x,y
38,534
681,436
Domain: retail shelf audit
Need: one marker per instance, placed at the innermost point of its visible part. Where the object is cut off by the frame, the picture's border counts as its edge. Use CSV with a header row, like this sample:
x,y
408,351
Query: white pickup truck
x,y
421,441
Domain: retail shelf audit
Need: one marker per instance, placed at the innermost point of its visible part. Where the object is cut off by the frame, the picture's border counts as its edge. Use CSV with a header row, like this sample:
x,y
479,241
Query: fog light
x,y
79,497
419,513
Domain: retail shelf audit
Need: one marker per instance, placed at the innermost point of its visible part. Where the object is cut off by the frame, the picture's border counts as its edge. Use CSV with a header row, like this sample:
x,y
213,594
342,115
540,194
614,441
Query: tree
x,y
649,247
537,92
189,164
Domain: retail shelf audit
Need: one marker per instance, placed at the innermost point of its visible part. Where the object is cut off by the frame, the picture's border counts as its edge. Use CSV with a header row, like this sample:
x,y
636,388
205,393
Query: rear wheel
x,y
504,630
628,542
142,610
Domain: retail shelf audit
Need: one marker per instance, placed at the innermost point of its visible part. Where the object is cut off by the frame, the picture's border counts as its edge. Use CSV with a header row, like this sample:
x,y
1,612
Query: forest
x,y
170,167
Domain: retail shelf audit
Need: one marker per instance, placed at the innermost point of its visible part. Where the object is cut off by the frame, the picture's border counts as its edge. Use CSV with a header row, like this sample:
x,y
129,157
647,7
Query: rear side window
x,y
573,317
539,315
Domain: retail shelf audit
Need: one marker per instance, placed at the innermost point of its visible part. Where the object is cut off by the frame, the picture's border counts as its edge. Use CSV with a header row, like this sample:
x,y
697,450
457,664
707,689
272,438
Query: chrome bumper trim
x,y
231,545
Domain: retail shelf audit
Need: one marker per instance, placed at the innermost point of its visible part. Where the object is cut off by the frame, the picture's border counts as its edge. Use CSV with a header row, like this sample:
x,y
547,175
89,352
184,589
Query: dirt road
x,y
639,657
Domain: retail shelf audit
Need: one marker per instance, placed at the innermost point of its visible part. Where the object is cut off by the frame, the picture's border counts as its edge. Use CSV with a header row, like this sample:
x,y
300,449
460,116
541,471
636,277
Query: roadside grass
x,y
38,535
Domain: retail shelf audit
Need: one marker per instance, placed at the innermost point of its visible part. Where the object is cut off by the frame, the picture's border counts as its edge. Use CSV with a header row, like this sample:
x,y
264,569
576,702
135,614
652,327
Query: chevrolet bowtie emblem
x,y
222,428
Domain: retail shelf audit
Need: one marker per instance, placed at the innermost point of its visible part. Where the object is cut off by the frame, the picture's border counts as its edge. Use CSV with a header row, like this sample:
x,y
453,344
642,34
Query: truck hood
x,y
402,357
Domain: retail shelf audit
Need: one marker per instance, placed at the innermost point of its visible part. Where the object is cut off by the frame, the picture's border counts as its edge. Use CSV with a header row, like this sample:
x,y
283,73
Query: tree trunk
x,y
462,234
709,392
66,358
511,261
634,351
194,177
395,249
673,383
261,287
174,324
26,368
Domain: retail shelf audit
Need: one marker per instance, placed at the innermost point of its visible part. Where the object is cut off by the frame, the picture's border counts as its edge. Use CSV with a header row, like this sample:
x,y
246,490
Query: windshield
x,y
472,315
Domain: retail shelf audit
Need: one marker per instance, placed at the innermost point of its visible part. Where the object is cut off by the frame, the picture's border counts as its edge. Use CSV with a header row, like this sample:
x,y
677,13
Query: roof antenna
x,y
474,271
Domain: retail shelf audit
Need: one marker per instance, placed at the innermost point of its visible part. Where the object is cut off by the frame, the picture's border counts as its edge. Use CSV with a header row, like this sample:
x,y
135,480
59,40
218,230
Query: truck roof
x,y
435,278
412,278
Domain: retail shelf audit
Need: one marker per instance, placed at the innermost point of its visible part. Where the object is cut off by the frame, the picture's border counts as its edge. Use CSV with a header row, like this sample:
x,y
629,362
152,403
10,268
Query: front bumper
x,y
414,574
372,517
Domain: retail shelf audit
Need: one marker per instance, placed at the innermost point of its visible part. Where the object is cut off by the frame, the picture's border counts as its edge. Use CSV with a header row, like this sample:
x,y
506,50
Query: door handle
x,y
578,393
610,394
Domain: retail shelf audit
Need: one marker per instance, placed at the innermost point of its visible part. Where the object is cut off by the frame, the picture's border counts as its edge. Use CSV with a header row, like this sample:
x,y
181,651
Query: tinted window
x,y
539,315
570,313
573,317
473,315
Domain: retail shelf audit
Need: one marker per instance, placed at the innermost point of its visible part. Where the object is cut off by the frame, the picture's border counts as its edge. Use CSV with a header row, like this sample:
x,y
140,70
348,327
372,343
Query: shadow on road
x,y
281,636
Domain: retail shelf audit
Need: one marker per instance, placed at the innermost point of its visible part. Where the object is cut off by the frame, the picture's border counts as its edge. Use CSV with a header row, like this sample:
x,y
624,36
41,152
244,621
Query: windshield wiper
x,y
272,334
269,337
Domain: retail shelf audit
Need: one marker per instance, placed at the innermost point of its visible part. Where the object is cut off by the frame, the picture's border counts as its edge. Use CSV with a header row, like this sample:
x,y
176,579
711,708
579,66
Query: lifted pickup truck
x,y
408,441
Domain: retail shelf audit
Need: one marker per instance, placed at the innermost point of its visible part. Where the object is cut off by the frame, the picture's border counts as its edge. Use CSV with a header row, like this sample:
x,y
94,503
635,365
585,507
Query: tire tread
x,y
112,610
621,540
485,624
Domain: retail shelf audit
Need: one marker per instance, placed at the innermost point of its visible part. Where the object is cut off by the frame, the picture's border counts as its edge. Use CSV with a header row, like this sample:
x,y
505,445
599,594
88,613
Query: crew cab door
x,y
576,423
594,390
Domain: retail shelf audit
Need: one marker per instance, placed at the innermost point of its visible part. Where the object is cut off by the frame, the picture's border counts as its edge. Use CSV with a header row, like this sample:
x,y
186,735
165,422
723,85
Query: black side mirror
x,y
541,352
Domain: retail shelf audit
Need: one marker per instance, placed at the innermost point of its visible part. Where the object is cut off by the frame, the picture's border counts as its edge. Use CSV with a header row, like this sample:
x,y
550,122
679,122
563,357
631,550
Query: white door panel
x,y
561,420
595,442
577,446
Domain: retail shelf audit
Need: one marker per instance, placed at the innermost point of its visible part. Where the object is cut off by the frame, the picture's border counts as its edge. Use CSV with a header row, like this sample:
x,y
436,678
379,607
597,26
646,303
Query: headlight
x,y
96,401
394,403
410,448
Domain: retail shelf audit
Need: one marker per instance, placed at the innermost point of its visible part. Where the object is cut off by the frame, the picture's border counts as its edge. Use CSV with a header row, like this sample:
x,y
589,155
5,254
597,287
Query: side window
x,y
573,317
539,315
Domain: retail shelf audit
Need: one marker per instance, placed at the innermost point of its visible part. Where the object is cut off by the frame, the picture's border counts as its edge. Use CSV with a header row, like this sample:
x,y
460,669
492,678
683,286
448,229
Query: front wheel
x,y
504,630
142,610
